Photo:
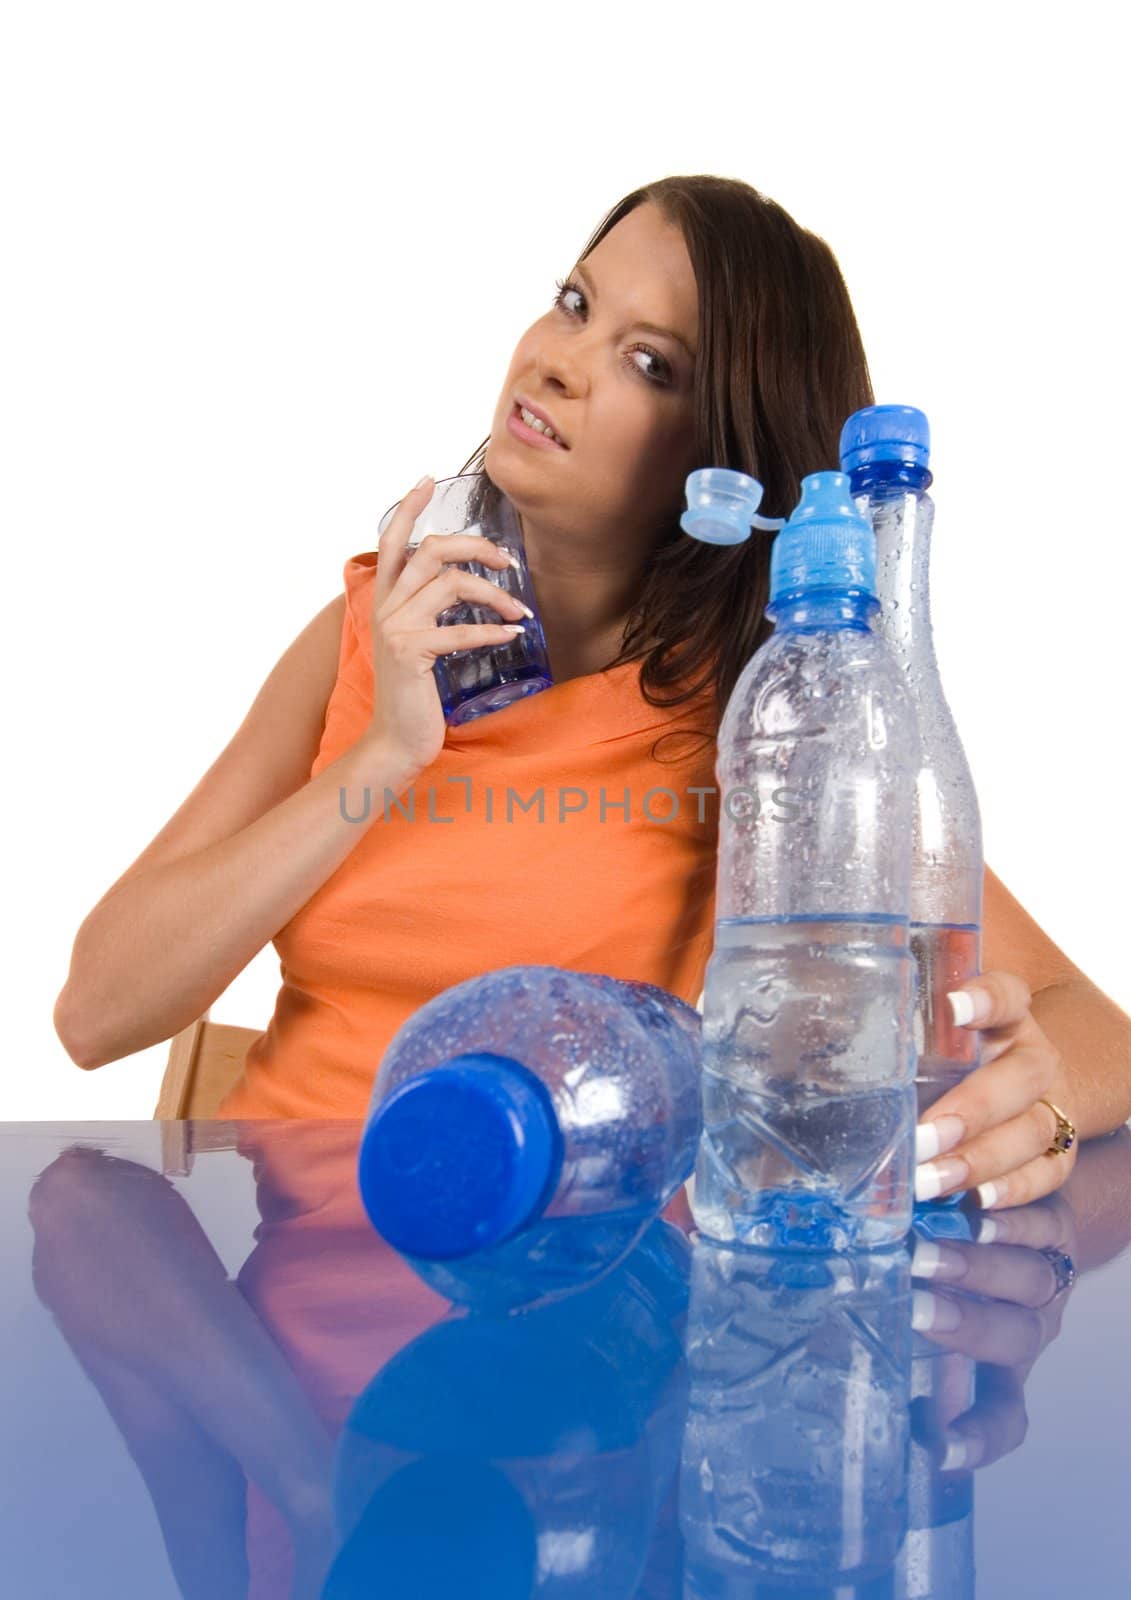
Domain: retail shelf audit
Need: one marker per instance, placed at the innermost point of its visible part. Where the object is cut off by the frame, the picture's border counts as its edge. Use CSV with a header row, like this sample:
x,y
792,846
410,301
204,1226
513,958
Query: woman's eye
x,y
564,287
657,376
660,377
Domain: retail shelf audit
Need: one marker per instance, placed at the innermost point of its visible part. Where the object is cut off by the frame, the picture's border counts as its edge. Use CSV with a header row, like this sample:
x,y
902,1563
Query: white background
x,y
264,265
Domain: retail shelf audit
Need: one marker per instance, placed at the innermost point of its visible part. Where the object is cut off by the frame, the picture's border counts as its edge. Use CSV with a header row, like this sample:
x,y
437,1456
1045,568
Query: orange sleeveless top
x,y
545,834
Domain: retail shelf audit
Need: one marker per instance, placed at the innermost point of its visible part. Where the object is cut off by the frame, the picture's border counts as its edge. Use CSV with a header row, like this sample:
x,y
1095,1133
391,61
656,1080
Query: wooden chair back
x,y
205,1059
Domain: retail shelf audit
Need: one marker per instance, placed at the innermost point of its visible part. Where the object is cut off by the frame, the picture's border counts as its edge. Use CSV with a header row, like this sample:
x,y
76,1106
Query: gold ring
x,y
1065,1136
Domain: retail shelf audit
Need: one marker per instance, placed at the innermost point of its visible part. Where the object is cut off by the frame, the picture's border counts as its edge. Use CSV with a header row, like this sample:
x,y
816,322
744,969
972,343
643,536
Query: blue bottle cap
x,y
459,1157
885,433
826,543
722,505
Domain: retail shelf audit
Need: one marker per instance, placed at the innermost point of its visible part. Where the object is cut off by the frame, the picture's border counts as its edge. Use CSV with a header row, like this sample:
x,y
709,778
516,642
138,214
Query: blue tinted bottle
x,y
526,1125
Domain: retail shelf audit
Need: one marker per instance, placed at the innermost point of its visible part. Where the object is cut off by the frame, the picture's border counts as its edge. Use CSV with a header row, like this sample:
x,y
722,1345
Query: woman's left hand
x,y
991,1131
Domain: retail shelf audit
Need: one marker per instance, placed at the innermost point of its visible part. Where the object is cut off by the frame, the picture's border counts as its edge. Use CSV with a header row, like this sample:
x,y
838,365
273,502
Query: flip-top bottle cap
x,y
826,543
458,1157
722,506
885,433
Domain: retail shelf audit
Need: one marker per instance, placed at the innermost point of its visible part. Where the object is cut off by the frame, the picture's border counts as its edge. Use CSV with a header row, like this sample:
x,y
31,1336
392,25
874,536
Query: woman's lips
x,y
529,435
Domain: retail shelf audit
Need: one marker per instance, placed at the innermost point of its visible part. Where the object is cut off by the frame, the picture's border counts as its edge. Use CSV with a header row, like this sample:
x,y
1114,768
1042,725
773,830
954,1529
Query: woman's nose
x,y
563,365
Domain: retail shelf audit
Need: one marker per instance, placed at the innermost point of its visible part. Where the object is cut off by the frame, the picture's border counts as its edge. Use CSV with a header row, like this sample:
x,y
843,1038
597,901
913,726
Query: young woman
x,y
699,326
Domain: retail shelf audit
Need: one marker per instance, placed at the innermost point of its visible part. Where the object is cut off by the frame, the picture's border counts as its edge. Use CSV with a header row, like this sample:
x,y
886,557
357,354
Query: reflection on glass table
x,y
324,1423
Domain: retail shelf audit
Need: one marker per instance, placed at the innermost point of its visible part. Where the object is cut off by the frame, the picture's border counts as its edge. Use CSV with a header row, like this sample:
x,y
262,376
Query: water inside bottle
x,y
808,1082
947,954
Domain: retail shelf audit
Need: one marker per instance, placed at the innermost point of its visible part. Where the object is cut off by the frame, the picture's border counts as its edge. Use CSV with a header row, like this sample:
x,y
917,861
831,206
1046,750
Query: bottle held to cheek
x,y
474,682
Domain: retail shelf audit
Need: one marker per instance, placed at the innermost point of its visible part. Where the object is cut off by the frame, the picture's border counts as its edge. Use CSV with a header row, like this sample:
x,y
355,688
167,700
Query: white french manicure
x,y
928,1184
926,1141
925,1261
937,1177
970,1005
931,1313
934,1138
962,1005
961,1453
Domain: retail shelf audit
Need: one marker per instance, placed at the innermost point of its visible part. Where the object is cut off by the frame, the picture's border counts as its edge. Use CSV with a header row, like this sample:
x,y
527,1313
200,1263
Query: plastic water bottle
x,y
808,1052
521,1456
794,1474
516,1103
885,450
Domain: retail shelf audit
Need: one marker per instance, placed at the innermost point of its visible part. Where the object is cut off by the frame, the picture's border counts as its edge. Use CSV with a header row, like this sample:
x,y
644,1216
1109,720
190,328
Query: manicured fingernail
x,y
937,1177
925,1261
970,1005
427,478
936,1138
933,1313
515,562
961,1453
992,1194
513,627
930,1260
988,1230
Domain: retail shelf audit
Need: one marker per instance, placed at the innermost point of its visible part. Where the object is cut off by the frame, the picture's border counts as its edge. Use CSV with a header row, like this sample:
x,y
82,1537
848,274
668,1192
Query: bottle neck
x,y
823,608
881,478
893,497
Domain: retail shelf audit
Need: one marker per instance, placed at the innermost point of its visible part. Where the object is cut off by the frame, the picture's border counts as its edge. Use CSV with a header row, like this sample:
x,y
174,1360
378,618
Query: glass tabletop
x,y
220,1381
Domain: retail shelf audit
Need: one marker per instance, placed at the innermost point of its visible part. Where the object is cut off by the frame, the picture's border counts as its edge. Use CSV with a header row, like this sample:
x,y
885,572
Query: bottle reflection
x,y
794,1472
547,1260
937,1558
526,1455
559,1426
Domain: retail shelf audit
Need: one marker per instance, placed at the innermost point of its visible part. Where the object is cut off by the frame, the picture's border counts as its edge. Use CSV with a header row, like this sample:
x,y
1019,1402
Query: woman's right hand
x,y
409,595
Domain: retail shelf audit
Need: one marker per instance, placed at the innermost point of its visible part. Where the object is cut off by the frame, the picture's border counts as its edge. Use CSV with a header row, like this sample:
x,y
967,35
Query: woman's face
x,y
619,395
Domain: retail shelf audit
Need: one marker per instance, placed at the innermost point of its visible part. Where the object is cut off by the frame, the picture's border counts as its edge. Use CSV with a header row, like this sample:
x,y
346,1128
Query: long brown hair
x,y
780,366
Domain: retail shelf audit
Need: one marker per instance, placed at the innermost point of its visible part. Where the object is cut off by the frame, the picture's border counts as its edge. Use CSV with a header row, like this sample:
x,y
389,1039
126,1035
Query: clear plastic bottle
x,y
808,1051
794,1473
516,1103
886,450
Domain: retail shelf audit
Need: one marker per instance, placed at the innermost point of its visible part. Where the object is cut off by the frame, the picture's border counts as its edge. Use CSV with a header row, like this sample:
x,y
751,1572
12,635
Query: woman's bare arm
x,y
255,839
1091,1032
